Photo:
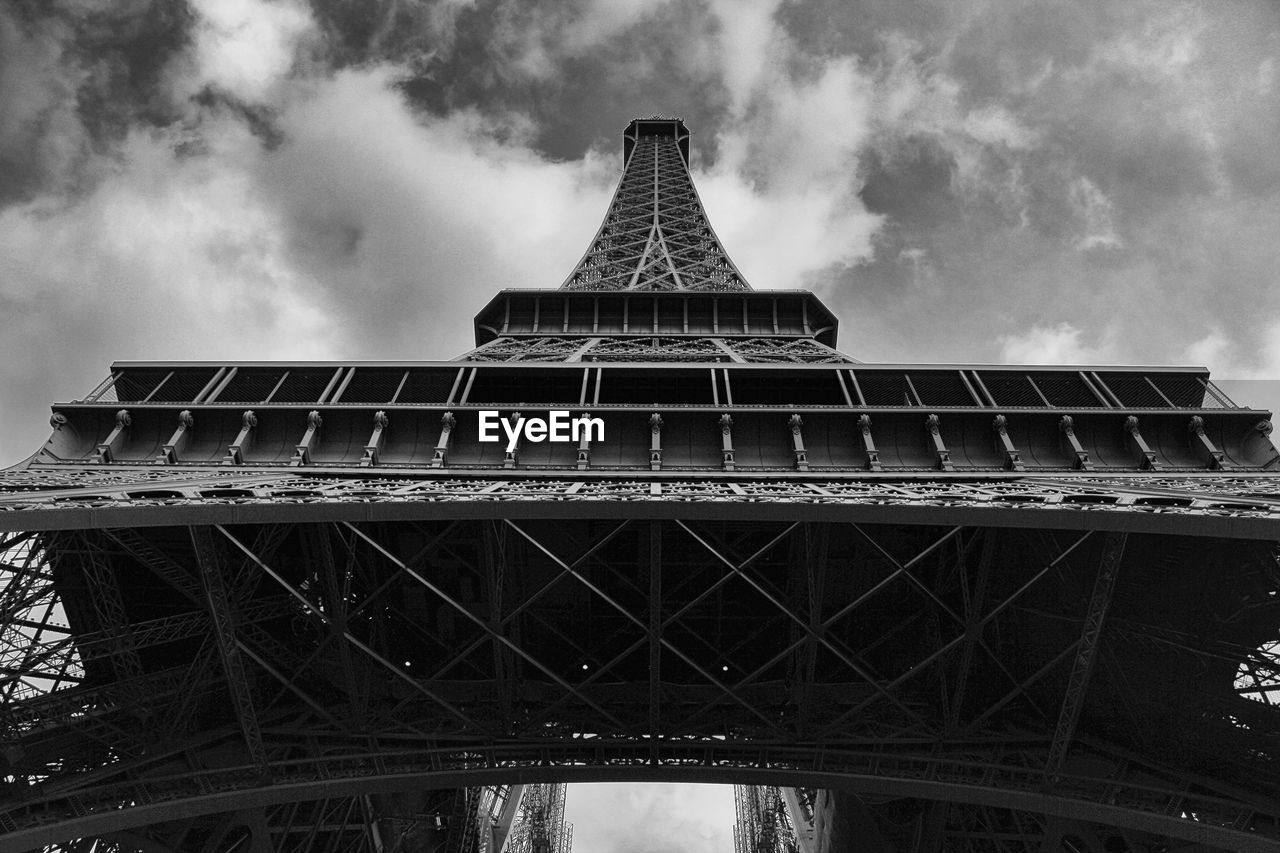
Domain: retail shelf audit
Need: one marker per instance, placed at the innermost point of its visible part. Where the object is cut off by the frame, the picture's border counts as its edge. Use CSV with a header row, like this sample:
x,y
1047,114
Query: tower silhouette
x,y
655,526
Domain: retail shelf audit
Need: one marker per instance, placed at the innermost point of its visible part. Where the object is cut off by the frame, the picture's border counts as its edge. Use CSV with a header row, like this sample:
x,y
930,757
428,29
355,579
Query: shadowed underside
x,y
292,607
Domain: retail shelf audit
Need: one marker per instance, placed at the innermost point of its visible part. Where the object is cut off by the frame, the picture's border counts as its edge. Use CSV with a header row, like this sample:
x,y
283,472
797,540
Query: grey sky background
x,y
1028,180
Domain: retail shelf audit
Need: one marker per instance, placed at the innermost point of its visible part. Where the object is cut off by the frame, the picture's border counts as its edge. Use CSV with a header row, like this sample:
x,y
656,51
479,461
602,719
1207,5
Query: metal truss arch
x,y
1229,837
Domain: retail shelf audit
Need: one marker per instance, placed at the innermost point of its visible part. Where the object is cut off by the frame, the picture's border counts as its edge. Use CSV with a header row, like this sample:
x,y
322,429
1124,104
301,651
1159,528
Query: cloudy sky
x,y
1027,180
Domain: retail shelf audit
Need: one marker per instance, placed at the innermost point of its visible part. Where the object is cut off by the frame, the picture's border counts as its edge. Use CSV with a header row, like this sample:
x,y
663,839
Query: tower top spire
x,y
655,235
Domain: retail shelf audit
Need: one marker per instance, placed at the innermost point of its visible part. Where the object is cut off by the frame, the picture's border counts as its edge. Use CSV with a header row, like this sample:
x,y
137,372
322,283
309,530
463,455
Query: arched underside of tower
x,y
239,668
287,607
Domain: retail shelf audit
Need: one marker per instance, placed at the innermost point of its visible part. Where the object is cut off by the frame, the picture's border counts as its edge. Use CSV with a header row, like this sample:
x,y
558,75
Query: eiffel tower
x,y
334,606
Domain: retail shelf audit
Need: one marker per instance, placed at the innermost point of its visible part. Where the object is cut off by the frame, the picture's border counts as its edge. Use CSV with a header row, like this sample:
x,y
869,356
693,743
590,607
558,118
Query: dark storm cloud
x,y
579,70
74,78
1145,187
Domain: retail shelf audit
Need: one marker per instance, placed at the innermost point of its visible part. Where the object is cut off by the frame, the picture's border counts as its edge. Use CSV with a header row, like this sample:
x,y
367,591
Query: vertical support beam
x,y
1086,652
795,423
244,441
172,451
942,457
215,592
302,453
974,603
726,440
510,809
110,446
842,822
1079,456
868,445
1213,458
800,821
494,546
374,448
809,567
933,826
318,546
653,560
440,458
584,444
108,606
655,442
1148,461
1012,460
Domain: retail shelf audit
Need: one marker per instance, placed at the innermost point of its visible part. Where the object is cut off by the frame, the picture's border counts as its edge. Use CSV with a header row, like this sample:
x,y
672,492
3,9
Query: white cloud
x,y
1211,350
1225,355
914,99
1094,212
1057,344
338,243
406,231
1166,46
651,818
752,48
1266,76
247,47
783,192
1250,376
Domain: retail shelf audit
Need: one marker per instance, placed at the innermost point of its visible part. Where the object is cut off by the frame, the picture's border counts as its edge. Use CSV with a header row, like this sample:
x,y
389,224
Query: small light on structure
x,y
406,663
585,666
724,668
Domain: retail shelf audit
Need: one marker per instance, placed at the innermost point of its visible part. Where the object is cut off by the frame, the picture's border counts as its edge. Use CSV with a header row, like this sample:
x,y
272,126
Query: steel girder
x,y
1235,506
660,349
378,657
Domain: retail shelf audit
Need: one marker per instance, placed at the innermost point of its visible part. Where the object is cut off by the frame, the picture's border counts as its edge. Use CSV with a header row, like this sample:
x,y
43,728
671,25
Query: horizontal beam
x,y
100,822
1025,505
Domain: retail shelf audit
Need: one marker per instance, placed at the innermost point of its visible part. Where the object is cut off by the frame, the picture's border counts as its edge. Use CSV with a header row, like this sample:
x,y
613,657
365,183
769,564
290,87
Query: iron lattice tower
x,y
284,607
762,823
540,826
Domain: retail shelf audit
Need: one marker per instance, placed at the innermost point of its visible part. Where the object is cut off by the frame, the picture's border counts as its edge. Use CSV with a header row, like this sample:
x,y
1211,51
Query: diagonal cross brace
x,y
1086,652
666,644
319,614
978,627
215,593
481,623
814,634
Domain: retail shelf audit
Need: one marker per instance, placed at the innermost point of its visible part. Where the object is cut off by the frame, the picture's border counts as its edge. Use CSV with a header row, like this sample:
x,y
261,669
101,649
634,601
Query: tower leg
x,y
842,823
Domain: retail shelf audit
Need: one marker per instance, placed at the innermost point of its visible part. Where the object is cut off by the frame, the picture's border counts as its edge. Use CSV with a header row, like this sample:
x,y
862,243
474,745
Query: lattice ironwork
x,y
656,349
782,351
540,826
754,661
656,235
1232,506
530,349
762,824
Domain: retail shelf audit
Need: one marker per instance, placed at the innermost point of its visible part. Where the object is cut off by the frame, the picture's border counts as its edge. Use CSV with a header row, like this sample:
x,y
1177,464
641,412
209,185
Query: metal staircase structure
x,y
281,607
